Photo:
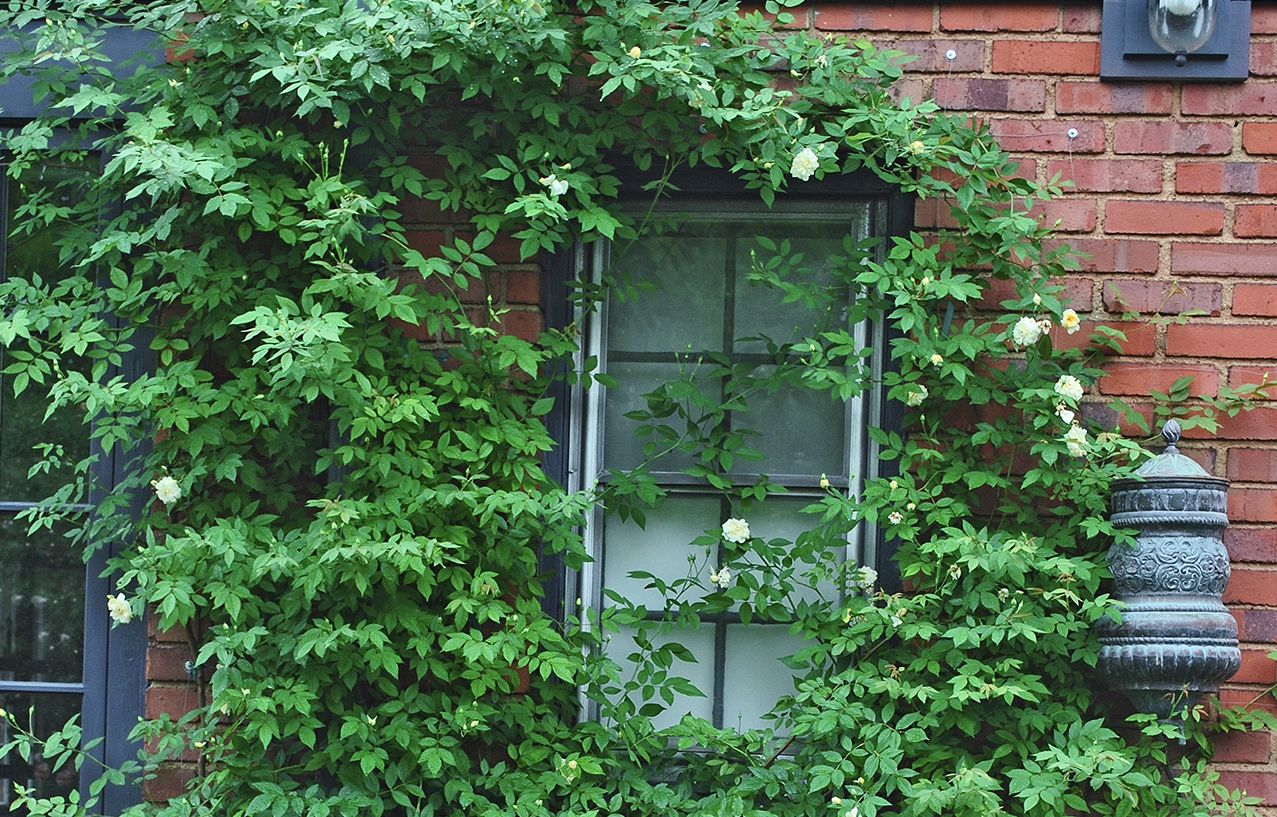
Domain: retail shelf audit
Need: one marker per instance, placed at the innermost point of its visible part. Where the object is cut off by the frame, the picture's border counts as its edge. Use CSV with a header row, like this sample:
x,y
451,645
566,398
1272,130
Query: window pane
x,y
41,605
28,255
760,309
782,518
680,302
800,430
663,548
754,678
700,643
48,713
622,445
21,428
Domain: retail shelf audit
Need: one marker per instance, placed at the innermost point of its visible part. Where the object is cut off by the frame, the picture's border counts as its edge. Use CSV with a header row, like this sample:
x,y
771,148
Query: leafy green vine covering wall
x,y
347,521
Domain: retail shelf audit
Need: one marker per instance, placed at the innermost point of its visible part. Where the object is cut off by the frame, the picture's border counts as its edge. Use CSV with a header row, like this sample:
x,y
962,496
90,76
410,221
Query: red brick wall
x,y
1172,198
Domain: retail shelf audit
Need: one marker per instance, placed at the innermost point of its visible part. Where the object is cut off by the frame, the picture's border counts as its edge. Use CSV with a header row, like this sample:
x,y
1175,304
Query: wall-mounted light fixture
x,y
1186,40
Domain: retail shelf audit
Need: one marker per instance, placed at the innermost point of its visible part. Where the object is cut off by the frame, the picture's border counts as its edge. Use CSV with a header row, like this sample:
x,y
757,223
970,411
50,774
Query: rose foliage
x,y
355,516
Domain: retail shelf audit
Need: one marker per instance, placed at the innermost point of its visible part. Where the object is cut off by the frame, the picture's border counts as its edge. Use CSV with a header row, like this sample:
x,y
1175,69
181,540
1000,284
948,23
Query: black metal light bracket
x,y
1128,51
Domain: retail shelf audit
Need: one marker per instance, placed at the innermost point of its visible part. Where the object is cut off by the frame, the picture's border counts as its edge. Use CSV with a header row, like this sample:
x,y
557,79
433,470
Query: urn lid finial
x,y
1171,463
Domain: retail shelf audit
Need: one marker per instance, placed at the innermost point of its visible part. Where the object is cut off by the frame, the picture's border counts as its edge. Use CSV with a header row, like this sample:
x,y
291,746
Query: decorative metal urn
x,y
1176,641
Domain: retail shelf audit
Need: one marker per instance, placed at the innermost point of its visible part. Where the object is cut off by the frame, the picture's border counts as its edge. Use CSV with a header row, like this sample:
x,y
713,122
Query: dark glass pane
x,y
28,255
41,605
43,715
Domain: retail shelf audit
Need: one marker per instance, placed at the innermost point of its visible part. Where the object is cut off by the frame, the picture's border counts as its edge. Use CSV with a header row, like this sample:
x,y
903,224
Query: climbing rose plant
x,y
340,461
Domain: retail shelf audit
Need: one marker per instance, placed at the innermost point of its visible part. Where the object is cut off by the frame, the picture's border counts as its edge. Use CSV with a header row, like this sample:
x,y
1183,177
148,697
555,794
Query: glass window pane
x,y
663,548
754,678
800,430
623,447
47,714
700,643
760,308
41,605
782,518
679,284
28,255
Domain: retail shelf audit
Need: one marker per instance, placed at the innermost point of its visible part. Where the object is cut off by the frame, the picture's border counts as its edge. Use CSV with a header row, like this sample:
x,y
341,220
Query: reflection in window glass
x,y
702,285
43,715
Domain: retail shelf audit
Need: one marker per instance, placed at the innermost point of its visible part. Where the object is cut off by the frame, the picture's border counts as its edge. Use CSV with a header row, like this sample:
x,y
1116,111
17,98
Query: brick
x,y
966,94
525,325
167,663
168,782
1253,699
173,635
1049,136
1243,747
1251,544
1100,97
1155,136
1255,299
1221,340
1255,505
1256,424
910,88
1139,337
1261,784
1113,254
1259,625
174,701
1226,177
1263,58
1252,259
1080,18
1257,668
1076,293
1142,379
1252,464
1042,57
1162,297
1244,99
1164,217
1255,221
958,16
1109,175
1250,585
1259,138
1070,215
426,242
875,17
1256,375
523,287
930,55
1263,19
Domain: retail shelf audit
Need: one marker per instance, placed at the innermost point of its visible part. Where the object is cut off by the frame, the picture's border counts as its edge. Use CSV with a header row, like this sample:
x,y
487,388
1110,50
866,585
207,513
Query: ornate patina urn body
x,y
1176,640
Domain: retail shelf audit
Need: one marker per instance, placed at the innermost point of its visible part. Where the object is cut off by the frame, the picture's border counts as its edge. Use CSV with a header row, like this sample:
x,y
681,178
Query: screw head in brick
x,y
951,55
1072,133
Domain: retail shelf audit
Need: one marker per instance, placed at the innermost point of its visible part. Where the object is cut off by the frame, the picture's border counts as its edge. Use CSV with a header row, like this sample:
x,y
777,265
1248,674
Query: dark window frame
x,y
113,680
719,186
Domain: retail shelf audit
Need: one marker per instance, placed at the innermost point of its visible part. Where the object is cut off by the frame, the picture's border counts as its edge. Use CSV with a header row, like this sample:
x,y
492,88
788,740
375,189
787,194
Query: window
x,y
58,656
687,305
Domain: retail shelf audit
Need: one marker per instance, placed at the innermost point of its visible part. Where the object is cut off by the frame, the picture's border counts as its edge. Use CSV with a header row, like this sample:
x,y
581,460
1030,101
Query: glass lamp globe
x,y
1181,27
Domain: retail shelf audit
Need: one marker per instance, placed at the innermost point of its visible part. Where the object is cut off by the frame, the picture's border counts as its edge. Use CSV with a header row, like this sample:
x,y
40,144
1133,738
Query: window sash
x,y
588,411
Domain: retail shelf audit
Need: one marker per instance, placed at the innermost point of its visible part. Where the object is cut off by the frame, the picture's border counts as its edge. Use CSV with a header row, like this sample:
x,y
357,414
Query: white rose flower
x,y
118,608
866,578
937,359
1069,387
1075,439
1065,413
722,578
895,517
556,186
1070,321
167,490
1037,299
1026,332
736,530
916,395
805,164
